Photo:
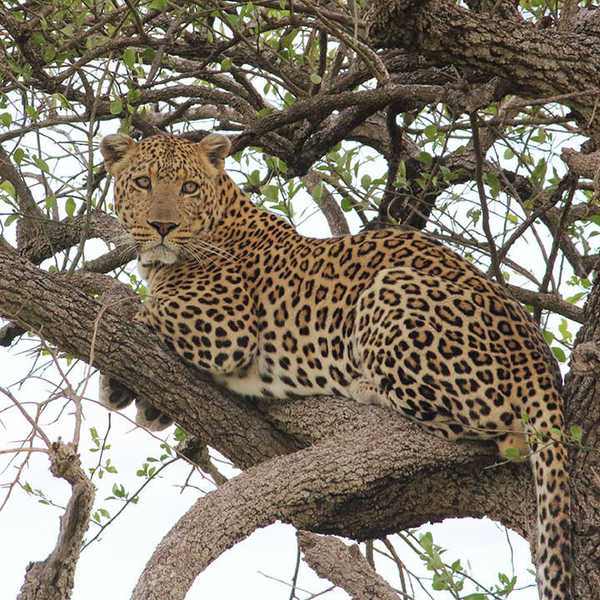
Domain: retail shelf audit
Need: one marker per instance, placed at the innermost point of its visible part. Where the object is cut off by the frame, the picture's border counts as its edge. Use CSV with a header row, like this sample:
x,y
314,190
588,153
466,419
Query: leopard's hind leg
x,y
468,363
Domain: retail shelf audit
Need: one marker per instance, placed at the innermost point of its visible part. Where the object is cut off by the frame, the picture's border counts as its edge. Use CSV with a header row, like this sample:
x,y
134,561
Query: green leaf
x,y
539,172
116,107
129,57
317,192
226,64
9,188
263,112
118,491
425,158
492,181
70,207
426,540
347,204
431,132
49,53
439,582
254,177
512,454
271,192
179,434
10,219
316,79
64,103
575,298
19,155
41,164
576,433
563,328
559,354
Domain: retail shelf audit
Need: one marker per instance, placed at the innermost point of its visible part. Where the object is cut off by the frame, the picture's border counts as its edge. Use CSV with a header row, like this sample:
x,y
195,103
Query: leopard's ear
x,y
114,149
216,146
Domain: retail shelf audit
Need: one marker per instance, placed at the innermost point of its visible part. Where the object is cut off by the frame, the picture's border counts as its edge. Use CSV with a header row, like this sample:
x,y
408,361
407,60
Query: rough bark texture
x,y
583,409
345,566
68,318
383,478
52,579
537,62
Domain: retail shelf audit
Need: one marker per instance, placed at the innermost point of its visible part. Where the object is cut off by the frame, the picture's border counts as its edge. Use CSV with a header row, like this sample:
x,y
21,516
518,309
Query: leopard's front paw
x,y
150,417
113,394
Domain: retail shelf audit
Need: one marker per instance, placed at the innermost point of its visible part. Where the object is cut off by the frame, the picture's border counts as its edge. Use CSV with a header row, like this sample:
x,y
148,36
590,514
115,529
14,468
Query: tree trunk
x,y
583,409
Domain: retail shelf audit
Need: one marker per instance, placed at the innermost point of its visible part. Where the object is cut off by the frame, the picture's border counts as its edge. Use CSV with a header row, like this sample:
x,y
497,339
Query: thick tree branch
x,y
54,236
376,481
538,62
583,409
63,315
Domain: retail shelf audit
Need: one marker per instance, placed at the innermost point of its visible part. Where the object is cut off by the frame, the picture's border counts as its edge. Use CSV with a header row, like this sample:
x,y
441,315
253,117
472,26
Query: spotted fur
x,y
388,317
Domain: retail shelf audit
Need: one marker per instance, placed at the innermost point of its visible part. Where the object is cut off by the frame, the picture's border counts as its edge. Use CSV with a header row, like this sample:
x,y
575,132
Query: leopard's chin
x,y
154,258
157,256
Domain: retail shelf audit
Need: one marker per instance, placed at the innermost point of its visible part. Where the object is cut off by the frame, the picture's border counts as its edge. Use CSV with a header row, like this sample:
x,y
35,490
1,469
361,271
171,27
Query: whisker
x,y
207,248
200,256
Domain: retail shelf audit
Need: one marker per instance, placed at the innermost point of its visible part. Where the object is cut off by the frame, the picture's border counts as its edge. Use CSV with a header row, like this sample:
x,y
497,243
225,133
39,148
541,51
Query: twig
x,y
495,264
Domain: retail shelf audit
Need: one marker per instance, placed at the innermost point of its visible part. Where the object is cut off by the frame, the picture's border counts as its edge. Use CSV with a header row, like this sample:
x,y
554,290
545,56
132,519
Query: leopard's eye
x,y
143,182
189,187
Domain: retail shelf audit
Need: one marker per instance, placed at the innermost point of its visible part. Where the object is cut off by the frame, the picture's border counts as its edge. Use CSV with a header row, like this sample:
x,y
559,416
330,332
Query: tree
x,y
430,115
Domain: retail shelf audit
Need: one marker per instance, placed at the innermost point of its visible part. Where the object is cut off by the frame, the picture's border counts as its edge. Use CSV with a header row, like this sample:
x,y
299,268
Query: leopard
x,y
391,317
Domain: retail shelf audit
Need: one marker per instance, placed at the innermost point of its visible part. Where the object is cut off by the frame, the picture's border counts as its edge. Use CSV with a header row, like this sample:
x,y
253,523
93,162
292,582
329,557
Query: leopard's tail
x,y
553,548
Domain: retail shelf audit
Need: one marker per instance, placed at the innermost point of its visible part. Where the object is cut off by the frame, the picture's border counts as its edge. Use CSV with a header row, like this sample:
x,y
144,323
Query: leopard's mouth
x,y
157,255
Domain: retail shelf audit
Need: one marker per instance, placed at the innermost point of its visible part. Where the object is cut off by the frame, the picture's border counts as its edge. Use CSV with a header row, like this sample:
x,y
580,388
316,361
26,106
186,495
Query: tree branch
x,y
538,62
385,477
52,579
63,315
345,566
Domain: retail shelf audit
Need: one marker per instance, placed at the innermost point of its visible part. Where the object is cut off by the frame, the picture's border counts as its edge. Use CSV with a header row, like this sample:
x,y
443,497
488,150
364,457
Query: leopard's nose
x,y
163,227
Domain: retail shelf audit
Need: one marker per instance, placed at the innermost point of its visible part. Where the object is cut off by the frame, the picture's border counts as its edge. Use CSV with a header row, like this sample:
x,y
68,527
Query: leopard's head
x,y
165,192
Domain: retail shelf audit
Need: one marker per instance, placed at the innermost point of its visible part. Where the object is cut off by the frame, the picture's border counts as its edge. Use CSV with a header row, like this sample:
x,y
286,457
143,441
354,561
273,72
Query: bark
x,y
583,409
55,236
345,566
52,579
381,479
66,317
537,62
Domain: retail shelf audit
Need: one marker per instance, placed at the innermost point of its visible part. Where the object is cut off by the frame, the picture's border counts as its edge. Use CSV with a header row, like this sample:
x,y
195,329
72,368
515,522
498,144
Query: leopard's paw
x,y
150,417
113,394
